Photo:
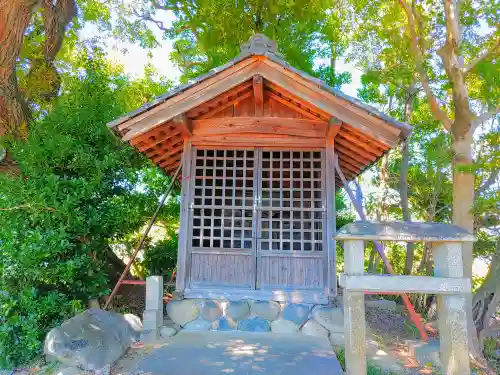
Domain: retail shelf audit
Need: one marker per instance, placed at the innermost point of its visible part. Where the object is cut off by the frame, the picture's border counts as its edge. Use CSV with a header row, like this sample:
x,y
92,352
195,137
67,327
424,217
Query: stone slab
x,y
240,353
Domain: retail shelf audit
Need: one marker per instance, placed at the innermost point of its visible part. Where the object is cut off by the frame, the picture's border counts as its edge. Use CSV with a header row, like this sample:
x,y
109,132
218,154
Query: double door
x,y
258,219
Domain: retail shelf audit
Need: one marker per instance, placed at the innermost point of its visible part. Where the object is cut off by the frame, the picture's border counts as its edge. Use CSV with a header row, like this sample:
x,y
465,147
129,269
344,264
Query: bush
x,y
75,192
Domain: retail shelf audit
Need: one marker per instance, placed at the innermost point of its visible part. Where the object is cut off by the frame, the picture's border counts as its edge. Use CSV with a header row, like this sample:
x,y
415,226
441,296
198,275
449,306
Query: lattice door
x,y
223,223
291,247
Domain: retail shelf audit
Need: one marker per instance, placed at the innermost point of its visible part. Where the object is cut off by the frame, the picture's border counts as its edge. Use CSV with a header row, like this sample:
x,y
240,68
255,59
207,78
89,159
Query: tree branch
x,y
484,117
485,53
492,178
419,64
147,17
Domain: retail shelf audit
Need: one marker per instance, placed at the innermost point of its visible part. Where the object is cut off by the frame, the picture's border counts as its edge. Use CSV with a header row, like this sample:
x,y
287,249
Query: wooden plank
x,y
356,149
154,136
189,99
168,154
351,161
329,104
222,107
349,167
253,140
263,125
165,145
172,157
368,146
365,138
352,154
184,234
293,106
258,93
221,99
330,219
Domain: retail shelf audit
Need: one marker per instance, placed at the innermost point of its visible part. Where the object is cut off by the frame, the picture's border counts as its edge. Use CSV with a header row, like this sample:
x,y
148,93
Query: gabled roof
x,y
150,125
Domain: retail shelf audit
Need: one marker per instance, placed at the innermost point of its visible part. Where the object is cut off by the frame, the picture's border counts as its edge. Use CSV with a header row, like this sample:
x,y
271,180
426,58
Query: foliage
x,y
76,190
160,259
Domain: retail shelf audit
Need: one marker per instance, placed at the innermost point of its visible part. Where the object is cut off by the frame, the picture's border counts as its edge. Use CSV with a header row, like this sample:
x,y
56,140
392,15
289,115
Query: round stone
x,y
167,331
313,328
183,311
337,339
332,318
268,310
211,310
255,324
224,324
284,326
237,310
296,312
198,325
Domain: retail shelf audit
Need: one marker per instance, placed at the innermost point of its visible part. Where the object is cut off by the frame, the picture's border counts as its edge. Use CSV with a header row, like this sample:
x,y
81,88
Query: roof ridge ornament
x,y
259,44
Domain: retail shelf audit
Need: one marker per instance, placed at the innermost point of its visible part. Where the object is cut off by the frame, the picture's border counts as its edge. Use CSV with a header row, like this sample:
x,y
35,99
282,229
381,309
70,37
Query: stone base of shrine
x,y
255,316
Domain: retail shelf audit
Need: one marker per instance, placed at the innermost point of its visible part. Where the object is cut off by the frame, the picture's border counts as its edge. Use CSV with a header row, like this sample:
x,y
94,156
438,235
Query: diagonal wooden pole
x,y
359,209
143,238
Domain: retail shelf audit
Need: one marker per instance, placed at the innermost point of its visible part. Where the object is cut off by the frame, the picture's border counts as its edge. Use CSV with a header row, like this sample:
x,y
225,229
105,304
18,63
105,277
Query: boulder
x,y
224,324
313,328
237,310
296,312
167,331
91,340
337,339
332,318
198,325
183,311
284,326
255,324
211,310
268,310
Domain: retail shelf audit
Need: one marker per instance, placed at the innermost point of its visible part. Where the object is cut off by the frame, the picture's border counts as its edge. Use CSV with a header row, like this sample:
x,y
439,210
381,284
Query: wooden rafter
x,y
358,150
165,145
258,93
351,154
184,124
165,156
292,105
225,105
373,149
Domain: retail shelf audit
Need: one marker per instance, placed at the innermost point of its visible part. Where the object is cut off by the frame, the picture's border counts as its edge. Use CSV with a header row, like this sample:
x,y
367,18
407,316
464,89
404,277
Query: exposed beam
x,y
184,124
358,150
165,145
262,125
258,140
215,102
258,93
273,96
352,154
333,128
168,153
151,137
368,146
226,105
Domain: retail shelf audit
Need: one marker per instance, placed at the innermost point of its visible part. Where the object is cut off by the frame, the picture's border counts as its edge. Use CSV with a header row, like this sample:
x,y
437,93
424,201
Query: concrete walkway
x,y
240,353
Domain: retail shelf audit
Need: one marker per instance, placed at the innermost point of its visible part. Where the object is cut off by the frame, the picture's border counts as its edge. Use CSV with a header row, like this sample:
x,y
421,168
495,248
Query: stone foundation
x,y
257,316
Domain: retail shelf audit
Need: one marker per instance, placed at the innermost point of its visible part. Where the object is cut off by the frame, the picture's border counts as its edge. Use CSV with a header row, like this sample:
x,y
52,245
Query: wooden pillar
x,y
331,219
354,311
184,228
452,311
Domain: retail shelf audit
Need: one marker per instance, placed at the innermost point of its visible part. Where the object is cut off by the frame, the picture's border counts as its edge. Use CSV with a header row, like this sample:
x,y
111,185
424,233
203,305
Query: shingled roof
x,y
159,128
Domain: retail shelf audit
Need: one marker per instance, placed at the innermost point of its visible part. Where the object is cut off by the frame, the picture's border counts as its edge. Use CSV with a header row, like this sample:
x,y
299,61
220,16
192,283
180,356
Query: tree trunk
x,y
15,16
487,298
403,186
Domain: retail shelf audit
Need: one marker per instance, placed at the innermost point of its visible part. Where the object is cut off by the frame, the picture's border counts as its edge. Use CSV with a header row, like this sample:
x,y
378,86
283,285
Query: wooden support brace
x,y
258,92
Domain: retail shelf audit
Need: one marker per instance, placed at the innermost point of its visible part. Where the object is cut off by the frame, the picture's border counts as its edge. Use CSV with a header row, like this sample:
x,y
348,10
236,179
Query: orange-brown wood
x,y
175,156
184,124
350,153
358,150
222,107
333,128
220,100
258,93
168,154
165,145
373,149
293,106
202,86
355,132
351,161
150,138
257,140
262,125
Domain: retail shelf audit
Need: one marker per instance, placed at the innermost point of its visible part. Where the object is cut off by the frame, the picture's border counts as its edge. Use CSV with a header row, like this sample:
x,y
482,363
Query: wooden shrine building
x,y
257,141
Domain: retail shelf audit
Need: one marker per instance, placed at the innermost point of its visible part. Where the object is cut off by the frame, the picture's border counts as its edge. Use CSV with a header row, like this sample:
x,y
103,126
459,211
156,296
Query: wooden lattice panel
x,y
223,199
292,216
